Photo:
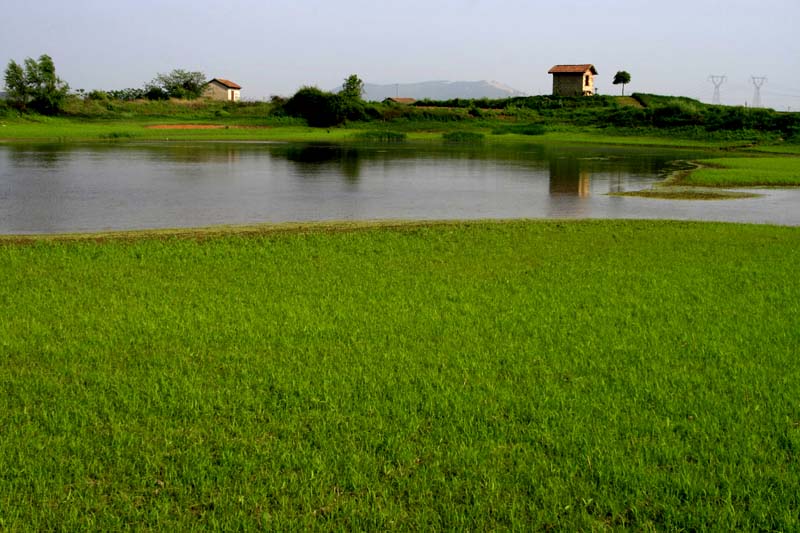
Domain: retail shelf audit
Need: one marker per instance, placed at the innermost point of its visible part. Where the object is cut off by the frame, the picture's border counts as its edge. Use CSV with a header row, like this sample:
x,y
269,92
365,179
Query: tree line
x,y
35,86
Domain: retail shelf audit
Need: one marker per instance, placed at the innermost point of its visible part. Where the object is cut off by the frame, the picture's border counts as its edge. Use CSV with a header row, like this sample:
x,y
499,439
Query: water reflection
x,y
568,177
45,156
62,188
322,159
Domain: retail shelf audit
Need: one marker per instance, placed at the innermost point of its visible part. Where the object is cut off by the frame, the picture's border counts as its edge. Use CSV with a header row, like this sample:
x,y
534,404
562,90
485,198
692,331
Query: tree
x,y
18,93
353,88
319,108
623,78
177,84
36,86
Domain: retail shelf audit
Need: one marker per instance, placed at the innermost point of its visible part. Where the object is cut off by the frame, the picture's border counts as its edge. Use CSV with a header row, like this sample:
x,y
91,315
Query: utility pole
x,y
717,81
758,81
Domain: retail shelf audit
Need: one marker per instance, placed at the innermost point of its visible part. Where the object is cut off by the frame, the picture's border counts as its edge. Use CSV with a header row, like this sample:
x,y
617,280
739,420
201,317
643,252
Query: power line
x,y
717,81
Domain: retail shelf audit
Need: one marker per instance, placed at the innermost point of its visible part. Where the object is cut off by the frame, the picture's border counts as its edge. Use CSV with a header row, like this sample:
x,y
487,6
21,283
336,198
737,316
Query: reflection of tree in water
x,y
204,154
47,156
568,177
315,159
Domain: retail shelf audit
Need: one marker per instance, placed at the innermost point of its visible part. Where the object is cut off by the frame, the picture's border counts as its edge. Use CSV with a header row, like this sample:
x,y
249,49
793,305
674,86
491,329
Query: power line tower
x,y
758,81
717,81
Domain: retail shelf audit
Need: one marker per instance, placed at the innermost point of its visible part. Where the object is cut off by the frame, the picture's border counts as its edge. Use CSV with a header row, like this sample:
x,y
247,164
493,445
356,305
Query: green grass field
x,y
114,129
746,172
484,376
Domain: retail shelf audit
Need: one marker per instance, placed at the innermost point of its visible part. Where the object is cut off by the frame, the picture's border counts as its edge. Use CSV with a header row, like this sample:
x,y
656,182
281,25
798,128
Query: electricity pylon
x,y
717,81
758,81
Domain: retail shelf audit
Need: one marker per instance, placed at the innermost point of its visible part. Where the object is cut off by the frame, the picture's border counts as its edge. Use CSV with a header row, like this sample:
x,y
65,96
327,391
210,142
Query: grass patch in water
x,y
746,172
686,193
482,376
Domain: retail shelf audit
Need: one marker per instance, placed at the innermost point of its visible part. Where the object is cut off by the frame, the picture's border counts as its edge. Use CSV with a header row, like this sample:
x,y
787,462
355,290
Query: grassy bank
x,y
746,172
70,129
525,375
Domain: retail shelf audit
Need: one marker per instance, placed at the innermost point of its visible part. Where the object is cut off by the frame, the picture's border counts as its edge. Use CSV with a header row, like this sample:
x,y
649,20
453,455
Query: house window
x,y
586,80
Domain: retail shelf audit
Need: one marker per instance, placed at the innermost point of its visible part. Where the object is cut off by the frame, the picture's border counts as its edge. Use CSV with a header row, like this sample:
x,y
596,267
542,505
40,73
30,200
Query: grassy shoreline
x,y
516,375
61,129
752,166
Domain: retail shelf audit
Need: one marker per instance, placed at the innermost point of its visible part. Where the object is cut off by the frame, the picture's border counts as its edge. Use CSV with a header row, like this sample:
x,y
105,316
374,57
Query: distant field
x,y
251,129
746,172
487,376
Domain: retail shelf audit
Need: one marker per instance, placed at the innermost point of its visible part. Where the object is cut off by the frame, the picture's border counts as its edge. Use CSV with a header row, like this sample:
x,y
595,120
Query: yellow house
x,y
221,89
573,80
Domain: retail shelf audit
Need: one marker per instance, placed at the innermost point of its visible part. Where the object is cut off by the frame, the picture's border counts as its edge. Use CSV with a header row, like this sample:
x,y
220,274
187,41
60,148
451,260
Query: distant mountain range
x,y
440,90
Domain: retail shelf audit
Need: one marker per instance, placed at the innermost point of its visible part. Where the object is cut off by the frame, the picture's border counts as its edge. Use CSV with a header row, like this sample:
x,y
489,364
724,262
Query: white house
x,y
222,89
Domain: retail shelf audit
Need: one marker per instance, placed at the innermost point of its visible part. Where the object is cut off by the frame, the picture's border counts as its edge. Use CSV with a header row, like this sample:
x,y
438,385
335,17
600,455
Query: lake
x,y
62,188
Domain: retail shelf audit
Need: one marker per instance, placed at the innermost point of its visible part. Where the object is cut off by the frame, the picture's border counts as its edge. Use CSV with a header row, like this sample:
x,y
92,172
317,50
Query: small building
x,y
222,89
573,80
399,100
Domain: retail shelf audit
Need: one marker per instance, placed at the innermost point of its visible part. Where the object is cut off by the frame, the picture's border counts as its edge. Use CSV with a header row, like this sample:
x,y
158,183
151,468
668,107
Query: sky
x,y
273,47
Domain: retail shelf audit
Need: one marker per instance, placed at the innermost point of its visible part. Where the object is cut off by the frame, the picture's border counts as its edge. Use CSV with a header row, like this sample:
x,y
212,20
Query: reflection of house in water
x,y
567,177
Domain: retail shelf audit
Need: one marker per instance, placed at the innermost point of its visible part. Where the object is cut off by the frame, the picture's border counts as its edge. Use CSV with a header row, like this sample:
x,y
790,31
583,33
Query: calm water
x,y
73,188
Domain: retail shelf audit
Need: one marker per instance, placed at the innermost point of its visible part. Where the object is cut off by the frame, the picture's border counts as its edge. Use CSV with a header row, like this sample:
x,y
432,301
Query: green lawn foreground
x,y
474,376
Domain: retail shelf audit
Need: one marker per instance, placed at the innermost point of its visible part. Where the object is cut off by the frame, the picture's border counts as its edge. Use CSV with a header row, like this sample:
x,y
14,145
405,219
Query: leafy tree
x,y
18,93
319,108
353,88
622,77
177,84
36,86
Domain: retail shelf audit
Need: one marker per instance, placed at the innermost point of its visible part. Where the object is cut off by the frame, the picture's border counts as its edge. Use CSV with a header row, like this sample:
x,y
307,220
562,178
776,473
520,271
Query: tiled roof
x,y
401,100
572,69
227,83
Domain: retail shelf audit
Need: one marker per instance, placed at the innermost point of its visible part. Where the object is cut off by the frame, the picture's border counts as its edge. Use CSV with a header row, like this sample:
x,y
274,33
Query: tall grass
x,y
523,376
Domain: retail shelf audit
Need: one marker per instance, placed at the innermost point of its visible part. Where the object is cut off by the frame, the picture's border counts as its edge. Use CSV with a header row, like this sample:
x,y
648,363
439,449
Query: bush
x,y
126,95
381,136
470,137
156,93
629,117
97,95
520,129
319,108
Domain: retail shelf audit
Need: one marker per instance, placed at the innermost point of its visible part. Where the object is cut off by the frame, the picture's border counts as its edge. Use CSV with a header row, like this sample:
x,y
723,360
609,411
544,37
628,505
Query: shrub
x,y
126,95
319,108
381,136
97,95
520,129
463,137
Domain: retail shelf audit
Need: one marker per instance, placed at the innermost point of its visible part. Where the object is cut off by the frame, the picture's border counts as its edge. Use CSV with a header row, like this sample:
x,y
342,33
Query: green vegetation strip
x,y
746,172
522,375
672,192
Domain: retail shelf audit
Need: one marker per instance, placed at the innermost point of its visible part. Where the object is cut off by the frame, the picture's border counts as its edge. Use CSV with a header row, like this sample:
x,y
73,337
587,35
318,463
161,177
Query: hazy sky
x,y
275,46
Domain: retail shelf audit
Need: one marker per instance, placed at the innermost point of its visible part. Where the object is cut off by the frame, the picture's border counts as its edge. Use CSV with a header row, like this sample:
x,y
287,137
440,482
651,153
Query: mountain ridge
x,y
440,90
